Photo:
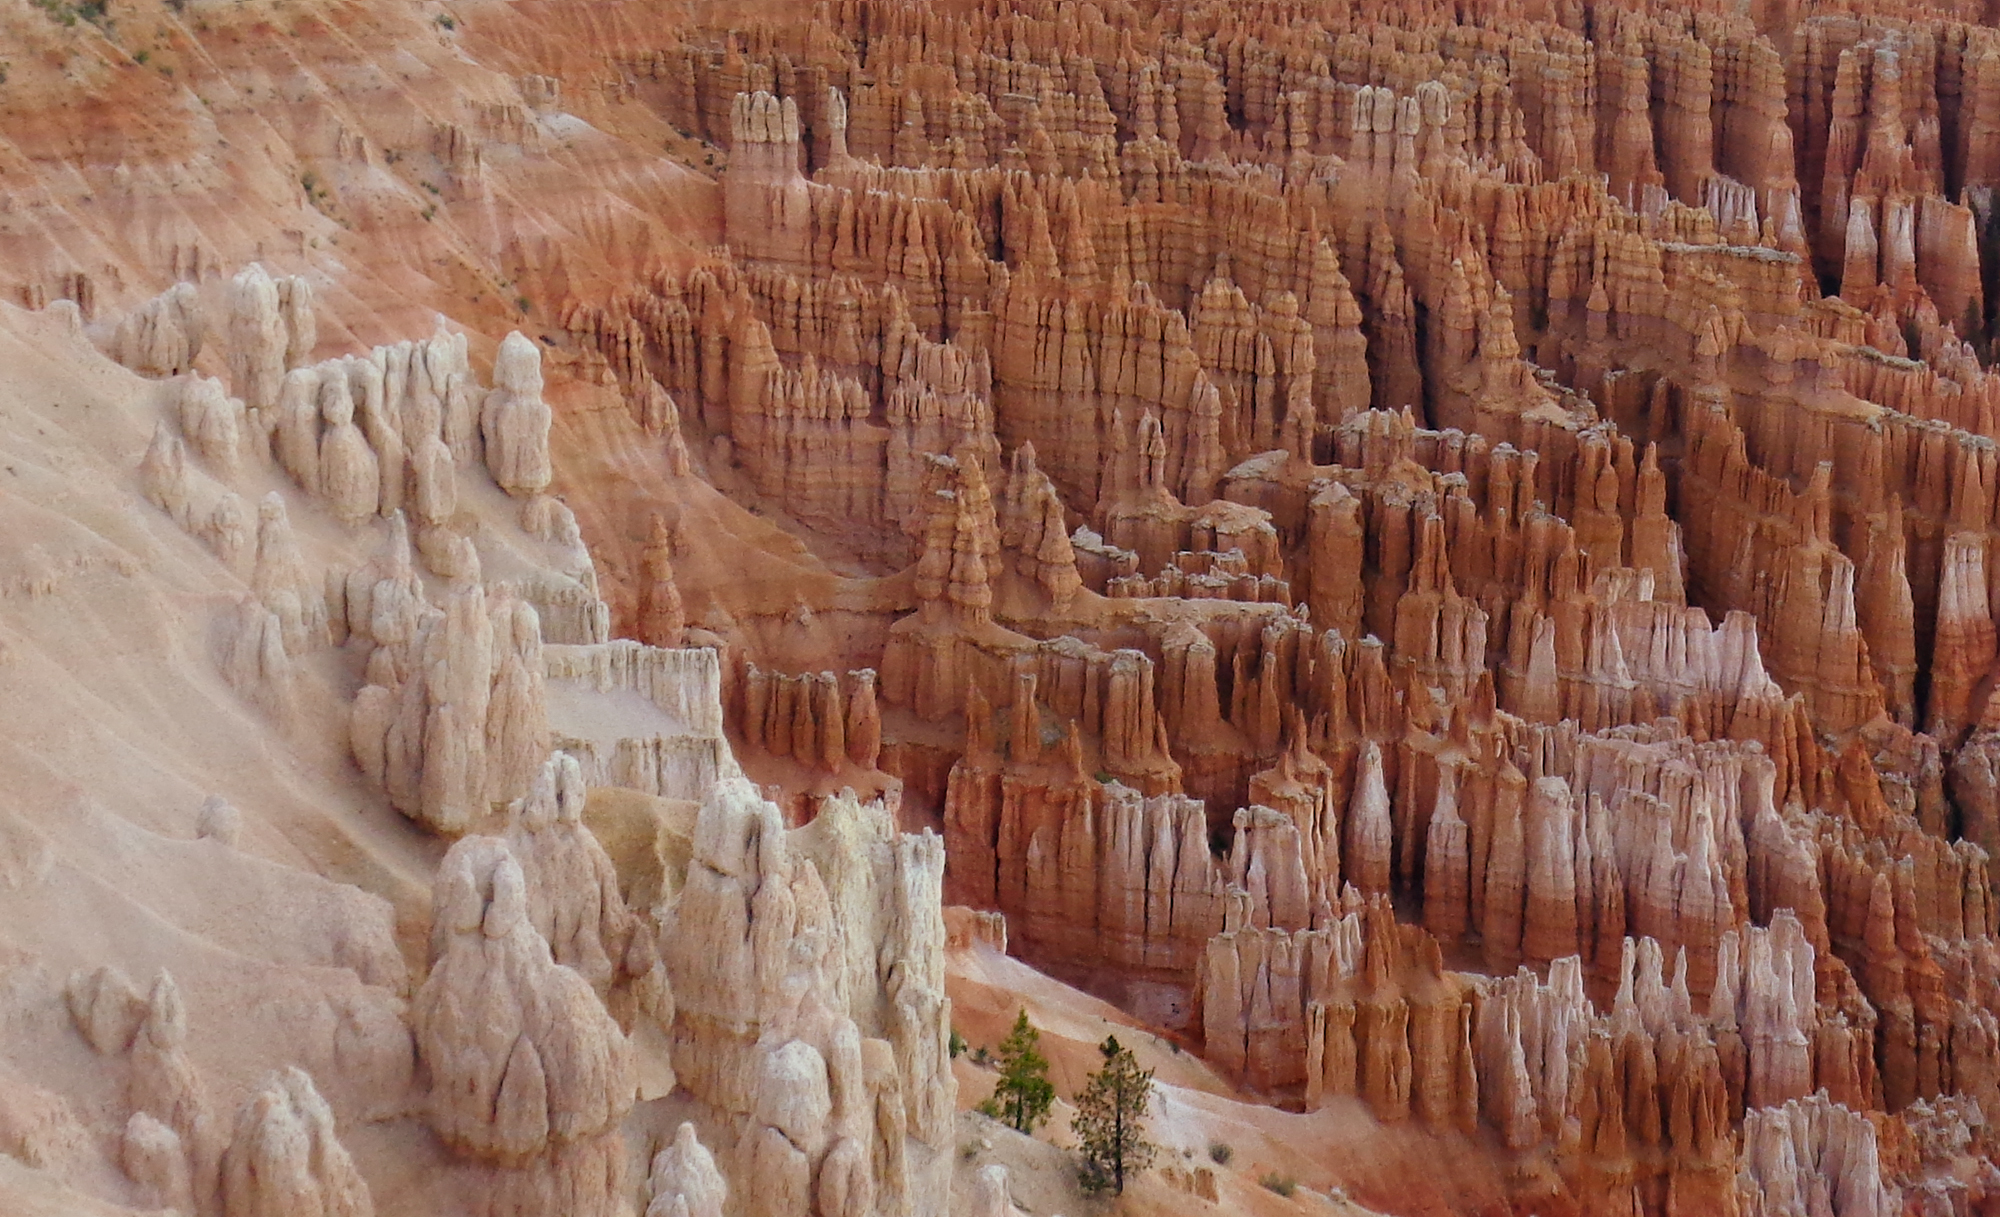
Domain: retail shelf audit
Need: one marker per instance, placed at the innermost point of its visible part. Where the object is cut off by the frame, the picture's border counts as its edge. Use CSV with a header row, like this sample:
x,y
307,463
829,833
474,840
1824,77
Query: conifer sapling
x,y
1024,1093
1110,1120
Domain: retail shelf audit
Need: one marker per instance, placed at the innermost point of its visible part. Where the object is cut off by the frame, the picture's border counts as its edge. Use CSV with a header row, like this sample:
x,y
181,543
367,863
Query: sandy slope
x,y
1339,1146
122,726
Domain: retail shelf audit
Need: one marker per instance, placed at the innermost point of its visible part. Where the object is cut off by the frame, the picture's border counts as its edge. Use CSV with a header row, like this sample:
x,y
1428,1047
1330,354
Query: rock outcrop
x,y
530,1075
808,970
684,1181
285,1158
514,421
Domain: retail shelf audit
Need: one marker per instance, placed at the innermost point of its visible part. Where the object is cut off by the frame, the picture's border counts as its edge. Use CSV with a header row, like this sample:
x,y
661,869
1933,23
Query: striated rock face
x,y
809,970
1351,1007
453,680
1812,1154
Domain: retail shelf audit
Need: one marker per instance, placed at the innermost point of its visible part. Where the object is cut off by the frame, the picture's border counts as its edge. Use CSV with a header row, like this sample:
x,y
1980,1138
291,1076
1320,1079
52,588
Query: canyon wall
x,y
1443,558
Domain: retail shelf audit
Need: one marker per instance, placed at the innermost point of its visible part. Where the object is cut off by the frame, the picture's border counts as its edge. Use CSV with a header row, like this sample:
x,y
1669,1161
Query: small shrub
x,y
57,11
957,1045
1220,1153
319,196
981,1057
447,21
523,303
142,57
1283,1185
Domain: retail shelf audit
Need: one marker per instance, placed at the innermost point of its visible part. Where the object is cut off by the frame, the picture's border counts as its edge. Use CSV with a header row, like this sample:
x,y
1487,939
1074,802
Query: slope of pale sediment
x,y
1339,1146
30,1192
988,988
1041,1179
113,620
120,726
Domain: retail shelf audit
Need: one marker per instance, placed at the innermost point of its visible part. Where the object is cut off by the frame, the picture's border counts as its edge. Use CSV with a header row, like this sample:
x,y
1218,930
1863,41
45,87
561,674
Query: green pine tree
x,y
1110,1120
1024,1093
